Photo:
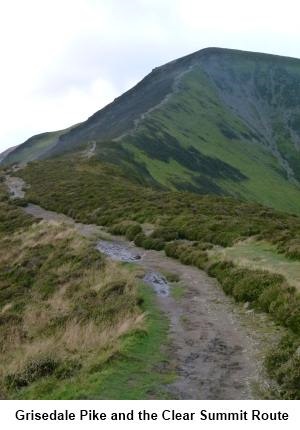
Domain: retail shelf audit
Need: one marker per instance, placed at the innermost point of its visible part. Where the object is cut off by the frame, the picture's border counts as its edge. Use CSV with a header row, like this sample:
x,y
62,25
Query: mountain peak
x,y
218,120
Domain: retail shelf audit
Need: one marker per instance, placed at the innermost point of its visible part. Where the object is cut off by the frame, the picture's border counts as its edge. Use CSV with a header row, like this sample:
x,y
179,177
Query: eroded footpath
x,y
216,347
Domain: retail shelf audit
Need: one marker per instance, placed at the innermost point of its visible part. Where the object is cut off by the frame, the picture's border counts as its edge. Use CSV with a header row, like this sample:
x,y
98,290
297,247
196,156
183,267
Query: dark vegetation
x,y
283,364
269,293
166,148
11,217
80,189
265,291
185,226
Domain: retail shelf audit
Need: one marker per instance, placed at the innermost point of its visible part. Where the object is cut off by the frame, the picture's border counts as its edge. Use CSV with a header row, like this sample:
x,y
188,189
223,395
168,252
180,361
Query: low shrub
x,y
79,187
165,233
265,291
132,231
187,253
293,249
283,365
149,242
20,202
119,228
139,239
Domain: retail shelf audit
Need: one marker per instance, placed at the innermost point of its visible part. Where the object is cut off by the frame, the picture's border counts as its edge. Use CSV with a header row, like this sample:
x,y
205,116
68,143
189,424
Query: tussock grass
x,y
60,302
73,324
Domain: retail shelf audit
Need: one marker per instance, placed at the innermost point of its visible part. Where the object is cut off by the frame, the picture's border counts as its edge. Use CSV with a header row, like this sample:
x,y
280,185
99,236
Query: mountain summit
x,y
217,121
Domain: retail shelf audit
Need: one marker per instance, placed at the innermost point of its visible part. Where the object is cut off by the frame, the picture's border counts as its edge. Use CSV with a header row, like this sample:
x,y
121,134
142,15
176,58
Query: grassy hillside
x,y
72,324
34,147
228,129
191,228
79,189
217,121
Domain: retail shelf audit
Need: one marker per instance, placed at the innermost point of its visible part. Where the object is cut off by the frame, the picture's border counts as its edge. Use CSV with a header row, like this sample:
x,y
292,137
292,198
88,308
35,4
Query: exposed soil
x,y
210,349
215,346
15,186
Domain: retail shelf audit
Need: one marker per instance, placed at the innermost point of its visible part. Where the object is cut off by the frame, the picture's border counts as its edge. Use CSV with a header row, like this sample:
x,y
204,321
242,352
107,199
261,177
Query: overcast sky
x,y
61,60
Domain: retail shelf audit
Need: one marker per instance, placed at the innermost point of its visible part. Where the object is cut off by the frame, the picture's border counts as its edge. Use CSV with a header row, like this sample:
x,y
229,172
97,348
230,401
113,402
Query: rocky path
x,y
214,347
210,350
16,187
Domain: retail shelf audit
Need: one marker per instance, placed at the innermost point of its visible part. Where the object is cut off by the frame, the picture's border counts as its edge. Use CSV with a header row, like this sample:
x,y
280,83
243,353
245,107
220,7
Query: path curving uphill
x,y
213,347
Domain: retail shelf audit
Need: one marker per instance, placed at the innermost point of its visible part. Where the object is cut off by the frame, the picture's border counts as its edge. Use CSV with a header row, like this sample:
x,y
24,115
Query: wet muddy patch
x,y
158,282
119,251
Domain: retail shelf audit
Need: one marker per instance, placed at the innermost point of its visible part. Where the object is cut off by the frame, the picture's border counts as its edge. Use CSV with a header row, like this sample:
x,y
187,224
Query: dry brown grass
x,y
90,337
112,271
74,340
49,327
42,233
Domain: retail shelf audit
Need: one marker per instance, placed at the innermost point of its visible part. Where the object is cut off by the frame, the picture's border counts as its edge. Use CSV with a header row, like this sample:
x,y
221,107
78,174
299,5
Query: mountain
x,y
75,324
217,121
4,154
33,148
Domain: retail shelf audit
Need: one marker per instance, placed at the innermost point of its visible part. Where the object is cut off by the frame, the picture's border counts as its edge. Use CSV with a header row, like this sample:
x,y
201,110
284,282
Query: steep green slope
x,y
5,153
33,148
197,130
217,121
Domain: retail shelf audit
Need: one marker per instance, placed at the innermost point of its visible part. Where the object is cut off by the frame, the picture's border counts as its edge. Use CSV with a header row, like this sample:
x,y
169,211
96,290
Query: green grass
x,y
193,117
164,173
263,256
135,372
177,291
34,147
